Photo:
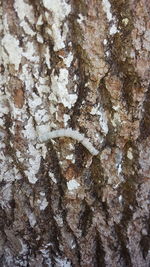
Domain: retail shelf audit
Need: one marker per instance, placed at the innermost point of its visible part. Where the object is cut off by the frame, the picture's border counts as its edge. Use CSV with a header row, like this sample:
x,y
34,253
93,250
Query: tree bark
x,y
82,66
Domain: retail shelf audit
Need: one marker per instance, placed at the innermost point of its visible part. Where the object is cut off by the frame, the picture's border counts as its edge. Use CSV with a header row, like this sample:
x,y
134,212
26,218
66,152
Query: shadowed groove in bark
x,y
54,165
144,124
121,45
61,188
99,253
97,177
124,253
85,220
129,196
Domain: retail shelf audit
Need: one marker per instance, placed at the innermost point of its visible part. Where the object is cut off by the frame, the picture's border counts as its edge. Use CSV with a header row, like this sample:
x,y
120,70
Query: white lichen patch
x,y
130,154
125,21
107,9
31,176
30,51
42,149
59,89
119,168
103,121
27,28
70,157
67,60
14,52
24,10
80,18
60,9
119,162
113,29
66,119
42,89
39,21
51,175
116,119
18,114
41,116
24,248
62,262
29,131
40,38
5,23
34,103
120,199
42,202
116,108
33,163
107,6
105,42
58,38
47,57
19,156
72,185
98,110
17,174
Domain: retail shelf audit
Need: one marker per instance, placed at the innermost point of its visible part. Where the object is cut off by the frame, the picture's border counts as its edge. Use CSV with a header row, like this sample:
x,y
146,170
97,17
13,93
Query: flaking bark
x,y
82,65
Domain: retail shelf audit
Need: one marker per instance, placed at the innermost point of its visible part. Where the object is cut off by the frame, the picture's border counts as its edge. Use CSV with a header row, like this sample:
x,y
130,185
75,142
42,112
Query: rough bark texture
x,y
80,64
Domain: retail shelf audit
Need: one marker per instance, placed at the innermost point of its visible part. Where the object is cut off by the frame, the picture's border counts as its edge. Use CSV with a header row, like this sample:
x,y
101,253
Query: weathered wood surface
x,y
82,65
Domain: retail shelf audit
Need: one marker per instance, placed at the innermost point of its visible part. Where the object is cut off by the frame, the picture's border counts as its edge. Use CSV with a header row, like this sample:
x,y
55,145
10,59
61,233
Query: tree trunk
x,y
79,196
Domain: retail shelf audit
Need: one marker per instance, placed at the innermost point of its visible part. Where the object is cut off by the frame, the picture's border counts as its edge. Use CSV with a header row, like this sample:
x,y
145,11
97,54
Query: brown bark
x,y
82,65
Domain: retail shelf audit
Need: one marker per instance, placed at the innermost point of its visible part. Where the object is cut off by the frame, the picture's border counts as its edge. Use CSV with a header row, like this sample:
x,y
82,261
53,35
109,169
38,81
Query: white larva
x,y
74,134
